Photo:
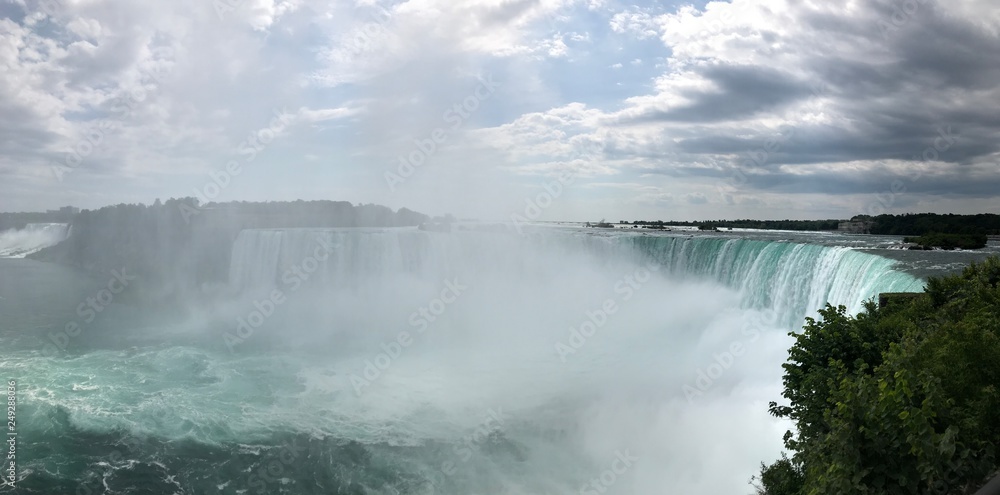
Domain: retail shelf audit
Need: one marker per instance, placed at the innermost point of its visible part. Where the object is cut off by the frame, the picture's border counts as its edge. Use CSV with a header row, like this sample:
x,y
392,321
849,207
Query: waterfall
x,y
18,243
793,279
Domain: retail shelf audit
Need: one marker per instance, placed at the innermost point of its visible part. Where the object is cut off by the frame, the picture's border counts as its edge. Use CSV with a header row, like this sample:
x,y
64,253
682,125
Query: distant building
x,y
855,227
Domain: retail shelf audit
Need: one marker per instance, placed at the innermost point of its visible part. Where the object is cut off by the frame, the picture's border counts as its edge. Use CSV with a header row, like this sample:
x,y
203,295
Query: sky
x,y
489,109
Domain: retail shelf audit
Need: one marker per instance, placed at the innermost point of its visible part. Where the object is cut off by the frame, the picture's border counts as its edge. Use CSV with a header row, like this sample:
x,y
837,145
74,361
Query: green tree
x,y
896,400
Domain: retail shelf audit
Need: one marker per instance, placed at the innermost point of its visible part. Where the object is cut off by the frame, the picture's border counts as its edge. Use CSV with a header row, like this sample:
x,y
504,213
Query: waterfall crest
x,y
793,279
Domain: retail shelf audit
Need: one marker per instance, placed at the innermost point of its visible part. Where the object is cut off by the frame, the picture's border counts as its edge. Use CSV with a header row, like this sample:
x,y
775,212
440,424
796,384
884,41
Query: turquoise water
x,y
480,399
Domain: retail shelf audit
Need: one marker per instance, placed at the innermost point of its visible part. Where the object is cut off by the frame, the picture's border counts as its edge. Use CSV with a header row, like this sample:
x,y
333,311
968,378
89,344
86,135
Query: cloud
x,y
696,198
638,23
854,94
635,93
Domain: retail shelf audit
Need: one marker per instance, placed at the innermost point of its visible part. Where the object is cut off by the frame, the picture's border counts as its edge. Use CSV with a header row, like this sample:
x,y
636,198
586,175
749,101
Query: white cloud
x,y
739,72
723,81
640,24
85,28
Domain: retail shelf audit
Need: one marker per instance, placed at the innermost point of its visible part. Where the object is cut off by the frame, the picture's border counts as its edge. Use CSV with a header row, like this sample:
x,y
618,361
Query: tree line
x,y
178,244
813,225
19,220
913,224
919,224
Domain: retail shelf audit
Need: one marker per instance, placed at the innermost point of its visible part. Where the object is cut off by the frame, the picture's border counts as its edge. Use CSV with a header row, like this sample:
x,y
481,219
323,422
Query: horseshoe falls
x,y
398,361
793,279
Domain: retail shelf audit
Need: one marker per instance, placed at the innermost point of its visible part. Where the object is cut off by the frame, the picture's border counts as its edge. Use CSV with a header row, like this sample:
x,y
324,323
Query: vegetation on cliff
x,y
913,224
918,224
949,241
900,399
803,225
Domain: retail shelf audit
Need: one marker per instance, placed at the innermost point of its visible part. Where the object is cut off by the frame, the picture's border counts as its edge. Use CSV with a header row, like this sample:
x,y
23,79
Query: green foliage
x,y
914,224
781,478
918,224
836,341
976,286
949,241
890,432
897,400
802,225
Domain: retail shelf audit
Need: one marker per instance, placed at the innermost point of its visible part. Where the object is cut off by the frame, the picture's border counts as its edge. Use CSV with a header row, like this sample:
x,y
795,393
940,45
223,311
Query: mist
x,y
579,346
349,250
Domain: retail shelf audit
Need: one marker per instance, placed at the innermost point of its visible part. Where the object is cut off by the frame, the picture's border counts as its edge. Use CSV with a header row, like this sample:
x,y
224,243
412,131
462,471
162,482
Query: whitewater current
x,y
18,243
400,361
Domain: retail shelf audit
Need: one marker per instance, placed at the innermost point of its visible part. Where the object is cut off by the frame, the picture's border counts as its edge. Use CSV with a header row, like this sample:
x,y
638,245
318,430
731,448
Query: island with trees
x,y
947,241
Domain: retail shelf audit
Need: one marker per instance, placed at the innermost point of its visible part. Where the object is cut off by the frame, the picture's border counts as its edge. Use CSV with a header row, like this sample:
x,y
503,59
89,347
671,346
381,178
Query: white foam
x,y
32,238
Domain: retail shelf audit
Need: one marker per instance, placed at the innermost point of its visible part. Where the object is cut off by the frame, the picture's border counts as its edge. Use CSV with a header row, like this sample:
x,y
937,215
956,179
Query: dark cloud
x,y
742,91
12,11
880,181
914,87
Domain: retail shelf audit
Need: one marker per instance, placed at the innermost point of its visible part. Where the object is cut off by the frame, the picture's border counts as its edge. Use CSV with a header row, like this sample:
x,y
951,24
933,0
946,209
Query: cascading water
x,y
18,243
591,343
792,279
394,361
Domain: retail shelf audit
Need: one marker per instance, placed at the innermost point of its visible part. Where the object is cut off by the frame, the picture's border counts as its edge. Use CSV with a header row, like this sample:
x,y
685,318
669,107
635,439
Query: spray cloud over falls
x,y
580,346
395,360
